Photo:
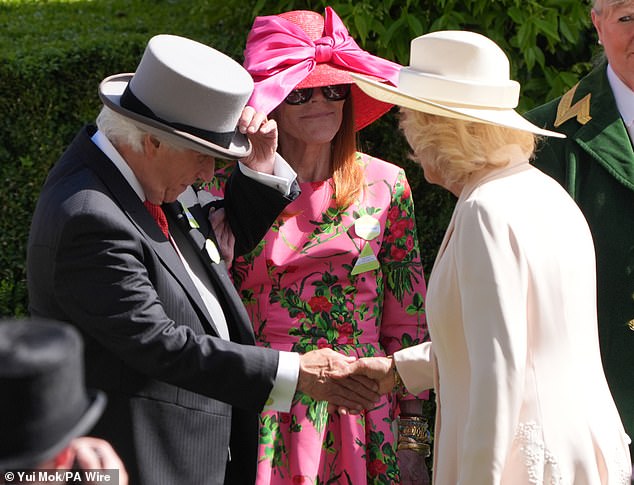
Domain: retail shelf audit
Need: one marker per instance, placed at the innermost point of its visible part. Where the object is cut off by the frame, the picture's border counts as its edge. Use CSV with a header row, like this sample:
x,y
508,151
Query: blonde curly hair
x,y
456,148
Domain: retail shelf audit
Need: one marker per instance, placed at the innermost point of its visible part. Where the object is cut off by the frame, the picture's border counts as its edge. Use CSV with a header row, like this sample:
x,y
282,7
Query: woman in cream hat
x,y
341,267
514,356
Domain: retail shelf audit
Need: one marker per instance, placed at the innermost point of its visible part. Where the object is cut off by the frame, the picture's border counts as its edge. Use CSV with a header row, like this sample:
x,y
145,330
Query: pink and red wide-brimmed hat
x,y
302,49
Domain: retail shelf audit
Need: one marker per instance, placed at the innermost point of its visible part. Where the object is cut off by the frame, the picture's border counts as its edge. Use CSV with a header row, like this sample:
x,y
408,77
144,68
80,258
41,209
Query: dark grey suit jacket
x,y
179,397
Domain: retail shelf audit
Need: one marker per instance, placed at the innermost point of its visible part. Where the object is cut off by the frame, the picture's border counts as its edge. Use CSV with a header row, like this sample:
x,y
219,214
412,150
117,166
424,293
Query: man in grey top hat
x,y
46,410
121,246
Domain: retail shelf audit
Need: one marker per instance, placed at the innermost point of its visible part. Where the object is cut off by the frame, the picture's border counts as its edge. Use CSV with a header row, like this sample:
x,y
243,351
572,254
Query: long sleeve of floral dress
x,y
403,323
346,278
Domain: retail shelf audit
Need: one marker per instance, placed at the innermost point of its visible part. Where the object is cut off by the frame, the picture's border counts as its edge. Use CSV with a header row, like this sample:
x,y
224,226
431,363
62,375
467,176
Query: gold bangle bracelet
x,y
414,429
422,449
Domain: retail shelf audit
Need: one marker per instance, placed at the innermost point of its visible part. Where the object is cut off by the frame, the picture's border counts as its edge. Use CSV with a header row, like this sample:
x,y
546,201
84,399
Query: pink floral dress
x,y
349,279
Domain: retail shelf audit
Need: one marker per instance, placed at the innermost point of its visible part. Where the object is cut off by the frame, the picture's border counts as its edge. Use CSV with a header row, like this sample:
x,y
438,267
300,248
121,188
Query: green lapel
x,y
604,137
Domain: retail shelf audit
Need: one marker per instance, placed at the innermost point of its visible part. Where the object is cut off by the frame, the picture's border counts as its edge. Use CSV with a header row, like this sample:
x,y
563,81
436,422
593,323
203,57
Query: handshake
x,y
347,383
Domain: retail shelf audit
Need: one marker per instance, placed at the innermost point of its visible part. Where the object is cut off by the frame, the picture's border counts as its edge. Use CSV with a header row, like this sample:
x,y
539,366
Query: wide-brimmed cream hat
x,y
186,92
457,74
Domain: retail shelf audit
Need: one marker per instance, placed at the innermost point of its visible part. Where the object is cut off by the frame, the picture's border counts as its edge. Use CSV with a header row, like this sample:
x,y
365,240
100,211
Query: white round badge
x,y
367,227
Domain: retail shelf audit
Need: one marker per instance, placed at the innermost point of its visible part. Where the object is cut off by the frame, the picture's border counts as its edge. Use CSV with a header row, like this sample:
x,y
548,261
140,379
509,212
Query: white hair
x,y
599,5
122,130
119,129
457,148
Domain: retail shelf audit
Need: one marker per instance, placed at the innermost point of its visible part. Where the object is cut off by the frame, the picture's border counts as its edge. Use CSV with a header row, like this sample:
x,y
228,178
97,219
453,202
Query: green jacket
x,y
595,164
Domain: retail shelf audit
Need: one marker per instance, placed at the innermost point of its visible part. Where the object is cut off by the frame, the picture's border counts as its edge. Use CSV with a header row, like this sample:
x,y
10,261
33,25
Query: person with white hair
x,y
511,303
121,247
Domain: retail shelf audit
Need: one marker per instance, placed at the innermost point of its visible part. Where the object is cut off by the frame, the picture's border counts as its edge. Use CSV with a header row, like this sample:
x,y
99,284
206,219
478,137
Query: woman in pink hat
x,y
341,267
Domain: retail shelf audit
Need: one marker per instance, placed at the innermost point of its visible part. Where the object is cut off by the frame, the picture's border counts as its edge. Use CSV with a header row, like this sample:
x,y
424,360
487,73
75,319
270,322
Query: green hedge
x,y
53,54
52,57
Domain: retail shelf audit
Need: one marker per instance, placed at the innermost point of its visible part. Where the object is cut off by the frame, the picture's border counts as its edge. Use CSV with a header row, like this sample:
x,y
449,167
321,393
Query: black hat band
x,y
131,102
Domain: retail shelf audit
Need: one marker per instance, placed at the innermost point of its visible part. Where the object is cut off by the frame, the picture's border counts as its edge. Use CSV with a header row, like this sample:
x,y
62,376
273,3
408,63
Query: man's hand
x,y
325,376
263,135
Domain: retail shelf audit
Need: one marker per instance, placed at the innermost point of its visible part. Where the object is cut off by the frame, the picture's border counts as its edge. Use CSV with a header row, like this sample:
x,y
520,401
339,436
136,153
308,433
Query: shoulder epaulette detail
x,y
581,108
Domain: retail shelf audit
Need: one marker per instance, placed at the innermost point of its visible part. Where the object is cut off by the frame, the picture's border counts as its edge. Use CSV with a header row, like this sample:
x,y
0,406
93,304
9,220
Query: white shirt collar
x,y
111,152
624,97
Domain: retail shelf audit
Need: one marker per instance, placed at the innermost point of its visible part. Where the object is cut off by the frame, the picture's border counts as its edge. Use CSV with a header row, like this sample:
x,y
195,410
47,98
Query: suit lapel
x,y
517,164
136,212
605,136
238,321
185,211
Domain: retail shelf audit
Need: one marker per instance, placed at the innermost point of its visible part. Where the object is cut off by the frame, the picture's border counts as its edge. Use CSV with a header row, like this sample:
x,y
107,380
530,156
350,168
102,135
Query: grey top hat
x,y
186,92
44,403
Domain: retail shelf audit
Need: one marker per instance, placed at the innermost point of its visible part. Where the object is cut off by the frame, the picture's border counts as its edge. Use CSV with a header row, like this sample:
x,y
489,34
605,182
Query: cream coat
x,y
514,353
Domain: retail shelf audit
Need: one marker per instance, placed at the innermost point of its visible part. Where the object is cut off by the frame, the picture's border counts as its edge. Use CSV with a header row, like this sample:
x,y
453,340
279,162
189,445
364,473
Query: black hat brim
x,y
97,403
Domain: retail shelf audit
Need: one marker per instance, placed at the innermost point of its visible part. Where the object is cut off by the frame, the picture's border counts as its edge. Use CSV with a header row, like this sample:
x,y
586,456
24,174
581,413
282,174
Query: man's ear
x,y
150,144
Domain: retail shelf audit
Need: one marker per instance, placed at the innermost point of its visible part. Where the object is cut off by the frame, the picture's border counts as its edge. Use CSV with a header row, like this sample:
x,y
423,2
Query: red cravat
x,y
159,216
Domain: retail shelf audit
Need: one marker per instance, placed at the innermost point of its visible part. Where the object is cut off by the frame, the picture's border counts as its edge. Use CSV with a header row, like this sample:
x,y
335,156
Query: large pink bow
x,y
280,55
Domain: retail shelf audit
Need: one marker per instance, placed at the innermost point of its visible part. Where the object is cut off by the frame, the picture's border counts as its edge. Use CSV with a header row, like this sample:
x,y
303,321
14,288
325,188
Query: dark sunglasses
x,y
336,92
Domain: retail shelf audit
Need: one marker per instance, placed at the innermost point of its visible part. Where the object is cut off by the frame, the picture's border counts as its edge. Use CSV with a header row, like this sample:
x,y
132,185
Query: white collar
x,y
624,97
106,146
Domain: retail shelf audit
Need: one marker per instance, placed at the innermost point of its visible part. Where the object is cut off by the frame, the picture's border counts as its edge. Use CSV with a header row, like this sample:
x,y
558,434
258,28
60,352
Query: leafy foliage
x,y
549,42
48,90
48,80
